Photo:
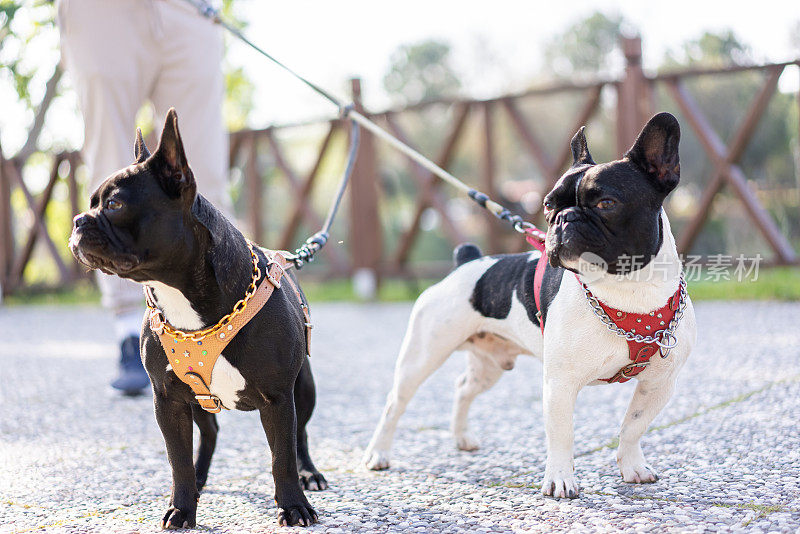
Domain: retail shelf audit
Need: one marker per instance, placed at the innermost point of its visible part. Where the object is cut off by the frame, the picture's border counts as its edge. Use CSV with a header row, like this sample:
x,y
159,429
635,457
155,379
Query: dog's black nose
x,y
80,220
570,215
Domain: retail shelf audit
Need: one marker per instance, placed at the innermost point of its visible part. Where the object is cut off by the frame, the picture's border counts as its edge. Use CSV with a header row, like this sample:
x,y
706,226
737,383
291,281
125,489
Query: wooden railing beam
x,y
732,174
407,241
301,192
39,222
437,199
21,261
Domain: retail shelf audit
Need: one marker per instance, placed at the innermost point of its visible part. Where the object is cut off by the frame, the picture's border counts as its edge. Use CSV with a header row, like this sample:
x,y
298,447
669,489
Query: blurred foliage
x,y
590,47
421,71
722,49
239,89
16,39
238,102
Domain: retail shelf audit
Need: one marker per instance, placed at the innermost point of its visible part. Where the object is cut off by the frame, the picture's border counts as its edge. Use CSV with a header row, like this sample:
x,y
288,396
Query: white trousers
x,y
120,53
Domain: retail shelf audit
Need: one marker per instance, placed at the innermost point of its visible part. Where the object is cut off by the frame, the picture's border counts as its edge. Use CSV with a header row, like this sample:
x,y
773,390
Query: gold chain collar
x,y
199,335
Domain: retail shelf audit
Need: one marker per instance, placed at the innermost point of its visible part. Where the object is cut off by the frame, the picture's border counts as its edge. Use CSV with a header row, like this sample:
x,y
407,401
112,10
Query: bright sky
x,y
497,46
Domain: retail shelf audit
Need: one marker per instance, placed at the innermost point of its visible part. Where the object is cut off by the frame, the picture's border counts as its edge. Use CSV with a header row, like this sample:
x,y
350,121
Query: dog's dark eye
x,y
548,206
605,204
113,204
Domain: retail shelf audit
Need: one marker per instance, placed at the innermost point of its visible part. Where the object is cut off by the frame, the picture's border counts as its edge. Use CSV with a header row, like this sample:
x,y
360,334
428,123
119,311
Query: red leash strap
x,y
541,265
535,237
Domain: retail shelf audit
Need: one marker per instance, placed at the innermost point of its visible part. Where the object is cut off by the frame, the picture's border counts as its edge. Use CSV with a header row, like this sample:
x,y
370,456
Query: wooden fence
x,y
635,102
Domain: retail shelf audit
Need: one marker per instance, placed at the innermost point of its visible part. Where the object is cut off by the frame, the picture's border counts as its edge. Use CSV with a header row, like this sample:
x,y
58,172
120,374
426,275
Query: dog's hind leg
x,y
481,374
433,334
648,399
305,396
207,424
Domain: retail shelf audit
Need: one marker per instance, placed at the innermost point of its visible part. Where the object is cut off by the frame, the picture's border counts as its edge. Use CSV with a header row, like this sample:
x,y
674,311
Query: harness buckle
x,y
216,408
275,281
156,321
623,372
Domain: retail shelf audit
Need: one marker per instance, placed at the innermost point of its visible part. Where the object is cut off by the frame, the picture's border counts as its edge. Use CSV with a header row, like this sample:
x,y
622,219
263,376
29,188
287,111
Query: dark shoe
x,y
132,377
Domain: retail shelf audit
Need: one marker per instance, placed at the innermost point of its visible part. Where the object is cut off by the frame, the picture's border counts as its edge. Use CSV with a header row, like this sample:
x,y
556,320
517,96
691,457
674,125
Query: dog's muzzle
x,y
93,249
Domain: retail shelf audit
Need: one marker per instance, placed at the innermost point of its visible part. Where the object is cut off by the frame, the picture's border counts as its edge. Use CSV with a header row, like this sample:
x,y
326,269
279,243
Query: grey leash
x,y
347,112
312,245
305,254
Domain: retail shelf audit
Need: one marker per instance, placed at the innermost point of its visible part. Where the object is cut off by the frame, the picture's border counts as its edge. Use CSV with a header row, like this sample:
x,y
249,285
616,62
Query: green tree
x,y
23,28
421,71
588,47
712,50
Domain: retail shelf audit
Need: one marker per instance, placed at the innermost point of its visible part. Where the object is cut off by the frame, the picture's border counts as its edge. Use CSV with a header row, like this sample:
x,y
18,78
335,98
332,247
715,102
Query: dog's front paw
x,y
637,471
296,515
313,481
559,485
466,442
376,460
176,518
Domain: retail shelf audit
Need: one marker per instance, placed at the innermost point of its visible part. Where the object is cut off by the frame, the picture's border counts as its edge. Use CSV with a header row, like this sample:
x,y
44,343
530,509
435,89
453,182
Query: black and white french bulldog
x,y
602,217
147,223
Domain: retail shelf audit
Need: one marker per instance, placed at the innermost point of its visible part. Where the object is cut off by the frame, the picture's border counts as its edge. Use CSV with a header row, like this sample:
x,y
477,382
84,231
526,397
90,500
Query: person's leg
x,y
191,81
105,48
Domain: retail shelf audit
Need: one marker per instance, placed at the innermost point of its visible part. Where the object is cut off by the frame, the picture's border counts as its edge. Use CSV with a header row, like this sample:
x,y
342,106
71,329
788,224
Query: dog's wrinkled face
x,y
123,232
609,214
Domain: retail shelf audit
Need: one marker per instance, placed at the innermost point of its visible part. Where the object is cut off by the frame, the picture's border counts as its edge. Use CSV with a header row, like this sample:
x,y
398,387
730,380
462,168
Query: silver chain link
x,y
665,339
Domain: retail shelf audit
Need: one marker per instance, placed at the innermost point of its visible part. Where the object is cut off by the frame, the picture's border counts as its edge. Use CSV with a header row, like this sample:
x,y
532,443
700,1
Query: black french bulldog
x,y
147,223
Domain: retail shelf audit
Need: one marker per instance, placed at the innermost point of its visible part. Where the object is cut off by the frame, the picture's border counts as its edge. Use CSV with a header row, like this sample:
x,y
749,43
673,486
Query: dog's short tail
x,y
466,252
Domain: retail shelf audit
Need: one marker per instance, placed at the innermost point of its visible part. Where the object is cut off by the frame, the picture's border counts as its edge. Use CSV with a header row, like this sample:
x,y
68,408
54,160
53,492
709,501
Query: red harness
x,y
641,324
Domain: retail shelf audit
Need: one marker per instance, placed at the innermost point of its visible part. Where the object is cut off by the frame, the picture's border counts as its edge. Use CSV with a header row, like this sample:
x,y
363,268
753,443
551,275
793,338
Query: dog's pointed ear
x,y
170,160
580,150
140,151
656,151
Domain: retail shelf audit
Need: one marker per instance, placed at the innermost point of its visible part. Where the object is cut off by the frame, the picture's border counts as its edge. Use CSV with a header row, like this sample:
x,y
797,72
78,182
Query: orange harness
x,y
193,354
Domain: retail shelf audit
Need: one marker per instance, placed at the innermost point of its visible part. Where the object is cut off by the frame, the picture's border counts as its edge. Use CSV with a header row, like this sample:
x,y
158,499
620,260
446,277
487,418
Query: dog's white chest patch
x,y
226,380
177,309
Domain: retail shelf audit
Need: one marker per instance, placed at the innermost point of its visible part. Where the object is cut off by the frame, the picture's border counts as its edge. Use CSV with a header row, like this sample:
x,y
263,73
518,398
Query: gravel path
x,y
75,457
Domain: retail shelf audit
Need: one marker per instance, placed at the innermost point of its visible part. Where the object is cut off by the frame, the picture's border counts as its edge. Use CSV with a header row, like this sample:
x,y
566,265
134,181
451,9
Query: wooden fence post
x,y
74,159
633,100
365,224
255,189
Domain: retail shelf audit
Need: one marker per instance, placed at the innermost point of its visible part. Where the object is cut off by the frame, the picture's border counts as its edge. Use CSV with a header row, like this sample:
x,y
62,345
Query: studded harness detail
x,y
646,333
193,354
